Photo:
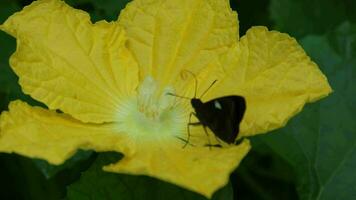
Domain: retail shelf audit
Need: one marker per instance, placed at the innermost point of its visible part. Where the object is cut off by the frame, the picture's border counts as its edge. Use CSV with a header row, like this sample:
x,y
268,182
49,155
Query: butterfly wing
x,y
223,116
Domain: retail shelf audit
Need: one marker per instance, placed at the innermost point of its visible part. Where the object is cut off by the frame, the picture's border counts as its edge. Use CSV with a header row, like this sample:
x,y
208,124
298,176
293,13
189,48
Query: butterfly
x,y
221,115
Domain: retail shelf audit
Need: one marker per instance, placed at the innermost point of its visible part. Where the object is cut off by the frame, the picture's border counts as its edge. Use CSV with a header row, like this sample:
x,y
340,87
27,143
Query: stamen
x,y
150,102
152,114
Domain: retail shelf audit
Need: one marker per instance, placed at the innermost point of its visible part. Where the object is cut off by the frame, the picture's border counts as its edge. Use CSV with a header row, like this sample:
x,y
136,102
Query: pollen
x,y
153,103
152,114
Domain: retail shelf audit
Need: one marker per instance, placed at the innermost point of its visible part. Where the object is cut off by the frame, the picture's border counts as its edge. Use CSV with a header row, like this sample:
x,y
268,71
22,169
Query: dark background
x,y
313,157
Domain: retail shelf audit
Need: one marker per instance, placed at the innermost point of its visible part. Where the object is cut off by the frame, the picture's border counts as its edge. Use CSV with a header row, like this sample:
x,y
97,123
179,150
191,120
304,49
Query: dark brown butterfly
x,y
221,115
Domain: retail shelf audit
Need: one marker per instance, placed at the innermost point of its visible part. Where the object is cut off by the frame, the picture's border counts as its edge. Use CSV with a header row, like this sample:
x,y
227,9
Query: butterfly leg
x,y
188,128
185,141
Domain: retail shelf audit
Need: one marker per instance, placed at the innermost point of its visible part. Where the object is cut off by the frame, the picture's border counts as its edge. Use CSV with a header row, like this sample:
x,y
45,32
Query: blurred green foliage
x,y
94,184
313,157
321,141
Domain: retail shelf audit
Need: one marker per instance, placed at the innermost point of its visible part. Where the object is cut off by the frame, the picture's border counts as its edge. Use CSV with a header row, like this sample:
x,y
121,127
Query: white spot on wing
x,y
217,105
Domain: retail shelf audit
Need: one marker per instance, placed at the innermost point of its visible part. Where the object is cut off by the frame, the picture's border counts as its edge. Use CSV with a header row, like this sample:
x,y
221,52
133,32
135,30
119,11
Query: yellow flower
x,y
110,81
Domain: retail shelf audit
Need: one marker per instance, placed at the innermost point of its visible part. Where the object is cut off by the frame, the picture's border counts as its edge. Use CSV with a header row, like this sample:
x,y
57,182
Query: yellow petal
x,y
68,63
199,169
167,36
275,76
38,133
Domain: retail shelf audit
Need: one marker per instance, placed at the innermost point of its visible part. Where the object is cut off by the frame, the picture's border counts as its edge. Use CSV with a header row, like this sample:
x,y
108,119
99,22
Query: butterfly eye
x,y
217,105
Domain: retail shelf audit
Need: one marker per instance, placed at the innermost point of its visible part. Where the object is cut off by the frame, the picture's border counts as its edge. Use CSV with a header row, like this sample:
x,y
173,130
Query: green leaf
x,y
302,17
7,78
251,13
342,40
7,7
25,178
97,184
20,179
263,175
107,10
320,143
110,8
9,87
50,171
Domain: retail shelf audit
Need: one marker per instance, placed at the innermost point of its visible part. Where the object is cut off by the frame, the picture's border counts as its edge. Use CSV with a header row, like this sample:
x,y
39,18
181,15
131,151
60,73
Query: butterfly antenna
x,y
196,82
171,94
208,88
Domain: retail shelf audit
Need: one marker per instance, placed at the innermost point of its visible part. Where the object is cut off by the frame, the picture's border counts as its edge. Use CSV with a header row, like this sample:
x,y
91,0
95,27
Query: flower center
x,y
152,114
152,103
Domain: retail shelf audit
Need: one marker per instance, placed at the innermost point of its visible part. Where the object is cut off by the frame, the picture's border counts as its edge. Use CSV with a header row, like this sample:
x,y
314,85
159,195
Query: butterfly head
x,y
196,103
